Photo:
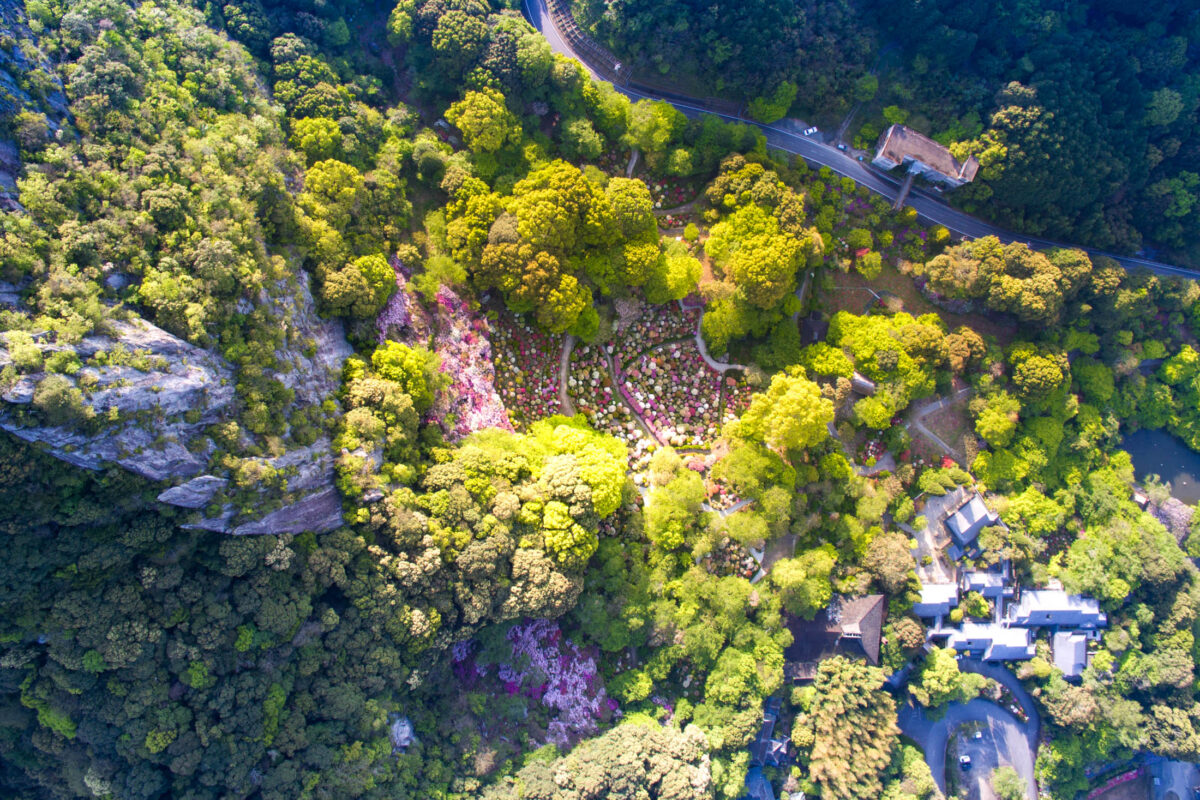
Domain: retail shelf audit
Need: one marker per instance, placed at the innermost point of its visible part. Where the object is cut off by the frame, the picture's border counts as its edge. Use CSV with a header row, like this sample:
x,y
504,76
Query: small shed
x,y
862,384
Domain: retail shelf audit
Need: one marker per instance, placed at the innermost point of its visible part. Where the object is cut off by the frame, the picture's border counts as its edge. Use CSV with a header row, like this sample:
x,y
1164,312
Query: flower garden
x,y
590,388
676,393
673,192
730,558
651,327
526,361
548,668
471,402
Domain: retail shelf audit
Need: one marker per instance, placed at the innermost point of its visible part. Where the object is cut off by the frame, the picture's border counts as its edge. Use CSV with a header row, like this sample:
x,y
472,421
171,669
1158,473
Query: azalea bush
x,y
536,661
526,362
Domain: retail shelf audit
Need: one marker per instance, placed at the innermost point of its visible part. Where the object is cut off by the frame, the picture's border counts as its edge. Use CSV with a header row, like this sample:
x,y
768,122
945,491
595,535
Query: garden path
x,y
719,366
564,372
619,382
632,165
683,209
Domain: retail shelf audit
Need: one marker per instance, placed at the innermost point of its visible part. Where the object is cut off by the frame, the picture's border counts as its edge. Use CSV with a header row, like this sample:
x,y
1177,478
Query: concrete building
x,y
936,600
992,642
902,146
1054,608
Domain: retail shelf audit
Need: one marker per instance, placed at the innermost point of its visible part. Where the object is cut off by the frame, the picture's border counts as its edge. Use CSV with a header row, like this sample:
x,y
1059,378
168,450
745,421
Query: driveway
x,y
1175,777
1012,742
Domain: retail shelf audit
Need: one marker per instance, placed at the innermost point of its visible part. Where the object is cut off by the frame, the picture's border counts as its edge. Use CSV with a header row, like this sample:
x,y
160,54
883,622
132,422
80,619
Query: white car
x,y
964,762
810,131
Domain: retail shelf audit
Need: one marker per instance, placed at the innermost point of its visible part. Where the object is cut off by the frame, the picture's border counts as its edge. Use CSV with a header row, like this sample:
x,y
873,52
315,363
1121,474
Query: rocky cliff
x,y
154,398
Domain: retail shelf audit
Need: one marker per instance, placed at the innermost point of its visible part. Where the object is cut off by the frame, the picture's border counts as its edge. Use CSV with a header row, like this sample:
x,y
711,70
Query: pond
x,y
1160,453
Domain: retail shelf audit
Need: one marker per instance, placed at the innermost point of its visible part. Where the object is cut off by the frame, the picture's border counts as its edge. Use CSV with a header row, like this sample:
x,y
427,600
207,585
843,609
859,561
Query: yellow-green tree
x,y
791,415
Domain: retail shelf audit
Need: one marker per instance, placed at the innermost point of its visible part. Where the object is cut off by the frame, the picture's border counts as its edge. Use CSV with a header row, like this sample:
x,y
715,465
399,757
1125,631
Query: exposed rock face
x,y
18,60
165,400
315,374
196,493
161,412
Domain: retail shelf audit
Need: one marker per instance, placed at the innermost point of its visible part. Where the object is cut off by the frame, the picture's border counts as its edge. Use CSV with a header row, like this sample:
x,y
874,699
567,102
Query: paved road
x,y
1015,742
1177,777
927,205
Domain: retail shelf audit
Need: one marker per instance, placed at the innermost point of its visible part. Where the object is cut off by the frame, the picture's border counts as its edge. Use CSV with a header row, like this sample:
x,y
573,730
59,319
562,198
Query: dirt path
x,y
919,414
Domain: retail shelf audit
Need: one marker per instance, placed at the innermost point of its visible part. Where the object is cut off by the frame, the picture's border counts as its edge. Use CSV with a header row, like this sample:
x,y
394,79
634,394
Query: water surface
x,y
1160,453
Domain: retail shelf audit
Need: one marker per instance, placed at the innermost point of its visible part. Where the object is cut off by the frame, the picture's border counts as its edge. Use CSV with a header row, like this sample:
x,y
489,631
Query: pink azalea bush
x,y
470,400
526,362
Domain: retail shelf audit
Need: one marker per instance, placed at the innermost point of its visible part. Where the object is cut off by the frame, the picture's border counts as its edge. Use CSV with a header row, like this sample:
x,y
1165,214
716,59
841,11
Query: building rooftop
x,y
996,641
900,143
1070,653
851,626
969,519
936,599
1055,607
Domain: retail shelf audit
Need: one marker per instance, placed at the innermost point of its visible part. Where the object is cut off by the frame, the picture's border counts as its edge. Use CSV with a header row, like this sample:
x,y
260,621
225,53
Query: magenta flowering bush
x,y
546,667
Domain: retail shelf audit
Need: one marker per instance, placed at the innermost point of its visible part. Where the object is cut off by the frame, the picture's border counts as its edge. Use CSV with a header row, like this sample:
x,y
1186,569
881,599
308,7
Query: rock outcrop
x,y
155,402
157,407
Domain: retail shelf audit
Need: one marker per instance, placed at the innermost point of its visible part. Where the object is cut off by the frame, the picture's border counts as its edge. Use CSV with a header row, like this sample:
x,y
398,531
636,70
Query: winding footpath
x,y
928,206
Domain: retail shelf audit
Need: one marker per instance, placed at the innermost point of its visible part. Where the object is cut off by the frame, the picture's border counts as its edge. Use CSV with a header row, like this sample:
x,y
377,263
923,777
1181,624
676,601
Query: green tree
x,y
775,105
791,415
485,121
939,680
803,582
847,727
1007,784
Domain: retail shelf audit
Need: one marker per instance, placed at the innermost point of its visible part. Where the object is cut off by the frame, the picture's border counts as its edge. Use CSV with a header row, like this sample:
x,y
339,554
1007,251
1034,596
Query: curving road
x,y
928,207
1013,742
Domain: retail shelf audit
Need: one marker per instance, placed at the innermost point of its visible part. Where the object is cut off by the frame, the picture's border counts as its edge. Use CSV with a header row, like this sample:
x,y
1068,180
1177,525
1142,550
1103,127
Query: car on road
x,y
810,131
842,147
978,735
964,762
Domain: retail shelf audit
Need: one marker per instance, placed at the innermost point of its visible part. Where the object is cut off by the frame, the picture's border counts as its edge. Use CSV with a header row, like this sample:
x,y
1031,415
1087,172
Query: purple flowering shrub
x,y
546,667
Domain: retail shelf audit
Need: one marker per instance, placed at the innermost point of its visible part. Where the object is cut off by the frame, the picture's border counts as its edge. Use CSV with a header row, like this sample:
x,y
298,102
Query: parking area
x,y
975,741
